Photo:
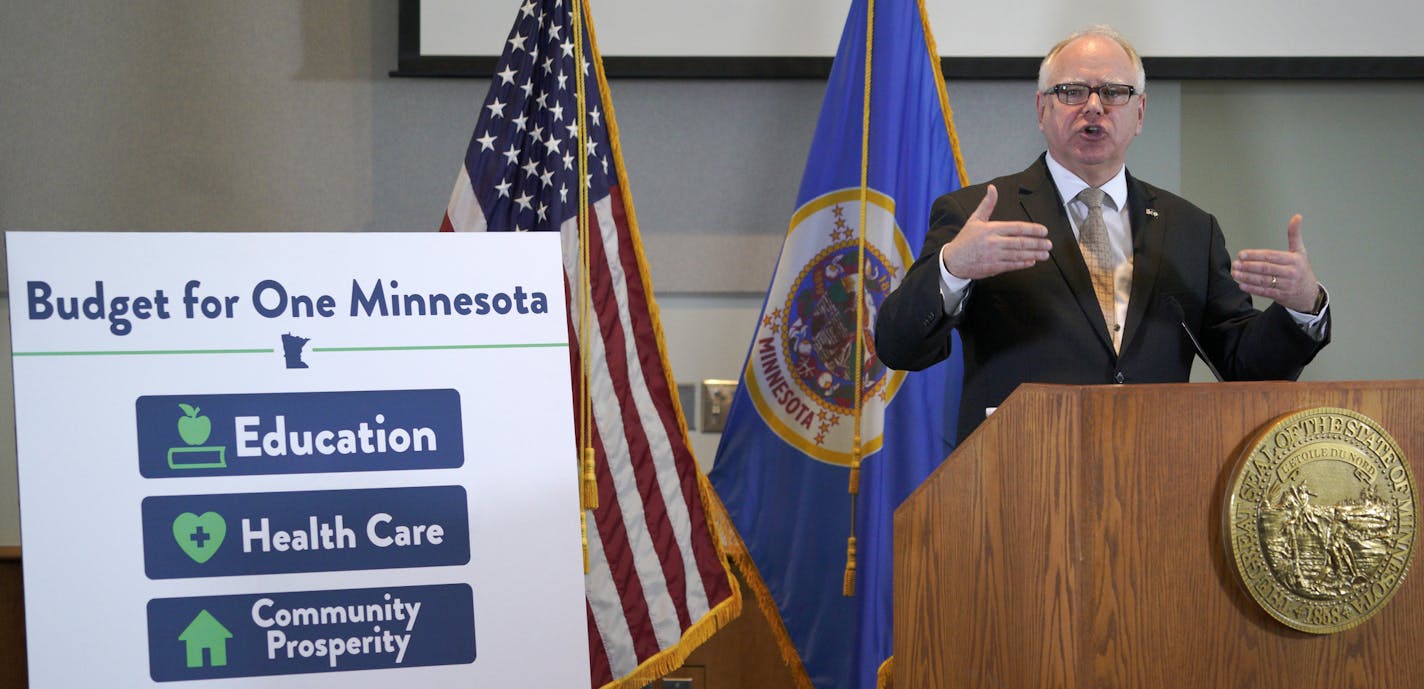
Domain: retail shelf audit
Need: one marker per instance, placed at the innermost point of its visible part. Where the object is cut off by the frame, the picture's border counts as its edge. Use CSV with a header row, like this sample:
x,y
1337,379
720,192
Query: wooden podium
x,y
1075,540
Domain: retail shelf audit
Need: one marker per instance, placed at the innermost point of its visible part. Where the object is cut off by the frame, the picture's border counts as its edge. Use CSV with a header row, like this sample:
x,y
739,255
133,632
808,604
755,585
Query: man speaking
x,y
1073,271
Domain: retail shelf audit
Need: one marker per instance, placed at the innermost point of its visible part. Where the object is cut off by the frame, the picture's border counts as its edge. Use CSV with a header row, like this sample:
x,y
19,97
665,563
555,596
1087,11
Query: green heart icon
x,y
199,536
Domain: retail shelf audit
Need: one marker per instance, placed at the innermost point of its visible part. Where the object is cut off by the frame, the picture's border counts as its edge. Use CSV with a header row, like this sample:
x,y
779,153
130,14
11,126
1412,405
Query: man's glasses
x,y
1077,94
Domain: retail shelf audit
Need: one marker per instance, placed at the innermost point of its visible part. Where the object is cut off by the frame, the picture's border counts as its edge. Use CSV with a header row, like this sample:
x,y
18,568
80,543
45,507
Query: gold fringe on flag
x,y
943,97
675,656
736,550
885,676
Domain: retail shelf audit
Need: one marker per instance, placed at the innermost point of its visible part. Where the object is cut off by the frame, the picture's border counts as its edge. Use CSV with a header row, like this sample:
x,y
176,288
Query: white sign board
x,y
280,456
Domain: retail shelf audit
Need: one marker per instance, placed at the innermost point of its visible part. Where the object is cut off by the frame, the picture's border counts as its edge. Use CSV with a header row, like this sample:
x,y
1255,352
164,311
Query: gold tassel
x,y
583,536
848,586
854,487
590,482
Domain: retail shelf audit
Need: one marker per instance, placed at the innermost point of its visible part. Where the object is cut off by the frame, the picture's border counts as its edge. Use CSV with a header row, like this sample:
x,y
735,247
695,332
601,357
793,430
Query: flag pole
x,y
587,481
848,585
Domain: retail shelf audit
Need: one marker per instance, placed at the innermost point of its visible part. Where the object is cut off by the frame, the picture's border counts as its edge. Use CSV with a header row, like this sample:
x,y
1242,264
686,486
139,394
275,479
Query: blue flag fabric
x,y
783,464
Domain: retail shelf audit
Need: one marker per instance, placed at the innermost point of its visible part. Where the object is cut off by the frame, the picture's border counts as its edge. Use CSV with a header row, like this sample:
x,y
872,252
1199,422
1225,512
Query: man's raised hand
x,y
985,248
1283,276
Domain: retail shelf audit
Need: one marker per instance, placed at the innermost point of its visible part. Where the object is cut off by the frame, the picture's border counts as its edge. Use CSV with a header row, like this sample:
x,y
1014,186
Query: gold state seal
x,y
1321,518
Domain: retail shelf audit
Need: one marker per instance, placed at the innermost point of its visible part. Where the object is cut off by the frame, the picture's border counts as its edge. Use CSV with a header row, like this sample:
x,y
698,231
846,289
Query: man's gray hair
x,y
1101,31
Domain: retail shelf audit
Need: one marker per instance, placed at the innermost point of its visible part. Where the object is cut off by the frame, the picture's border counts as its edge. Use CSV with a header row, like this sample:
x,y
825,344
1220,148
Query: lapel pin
x,y
1151,211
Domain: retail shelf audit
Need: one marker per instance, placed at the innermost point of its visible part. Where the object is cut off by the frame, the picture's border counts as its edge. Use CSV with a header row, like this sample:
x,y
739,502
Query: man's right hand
x,y
985,248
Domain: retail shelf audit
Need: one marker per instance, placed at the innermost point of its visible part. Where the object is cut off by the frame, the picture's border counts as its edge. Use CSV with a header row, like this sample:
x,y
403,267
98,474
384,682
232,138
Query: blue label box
x,y
298,433
304,531
258,634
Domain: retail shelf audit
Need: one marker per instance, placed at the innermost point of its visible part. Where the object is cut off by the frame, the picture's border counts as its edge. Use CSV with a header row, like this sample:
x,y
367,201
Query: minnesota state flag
x,y
884,148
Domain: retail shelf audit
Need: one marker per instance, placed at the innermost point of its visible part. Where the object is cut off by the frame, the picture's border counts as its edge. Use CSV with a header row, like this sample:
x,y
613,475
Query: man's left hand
x,y
1283,276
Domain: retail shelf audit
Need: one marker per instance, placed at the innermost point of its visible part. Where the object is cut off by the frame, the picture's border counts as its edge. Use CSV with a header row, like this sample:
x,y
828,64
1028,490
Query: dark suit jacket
x,y
1042,324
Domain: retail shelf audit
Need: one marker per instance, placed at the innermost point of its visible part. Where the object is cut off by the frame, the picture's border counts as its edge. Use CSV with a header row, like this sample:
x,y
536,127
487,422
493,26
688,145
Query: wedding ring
x,y
1273,281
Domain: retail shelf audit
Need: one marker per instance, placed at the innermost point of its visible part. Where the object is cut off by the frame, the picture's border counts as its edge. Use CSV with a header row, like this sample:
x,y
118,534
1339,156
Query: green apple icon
x,y
192,428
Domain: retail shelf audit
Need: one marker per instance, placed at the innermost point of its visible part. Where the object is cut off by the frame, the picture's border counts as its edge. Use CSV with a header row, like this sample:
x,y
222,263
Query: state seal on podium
x,y
1321,519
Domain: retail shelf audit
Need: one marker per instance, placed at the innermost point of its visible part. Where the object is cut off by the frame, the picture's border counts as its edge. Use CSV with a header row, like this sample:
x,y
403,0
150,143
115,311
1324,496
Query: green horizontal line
x,y
145,352
528,345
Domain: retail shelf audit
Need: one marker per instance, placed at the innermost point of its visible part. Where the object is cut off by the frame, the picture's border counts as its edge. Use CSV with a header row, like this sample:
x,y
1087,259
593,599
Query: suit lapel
x,y
1148,237
1039,199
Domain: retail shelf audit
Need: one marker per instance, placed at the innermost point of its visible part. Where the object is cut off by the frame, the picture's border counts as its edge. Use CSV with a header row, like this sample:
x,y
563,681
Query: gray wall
x,y
1349,158
278,116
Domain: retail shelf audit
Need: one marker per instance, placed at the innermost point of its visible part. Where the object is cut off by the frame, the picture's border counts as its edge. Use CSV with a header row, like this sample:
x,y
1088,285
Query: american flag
x,y
657,584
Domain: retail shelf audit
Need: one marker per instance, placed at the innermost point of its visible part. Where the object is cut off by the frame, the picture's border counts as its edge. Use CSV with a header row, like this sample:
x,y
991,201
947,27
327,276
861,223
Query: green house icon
x,y
205,633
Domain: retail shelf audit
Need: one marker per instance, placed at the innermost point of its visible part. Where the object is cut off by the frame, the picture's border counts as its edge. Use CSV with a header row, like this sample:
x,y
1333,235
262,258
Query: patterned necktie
x,y
1093,242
